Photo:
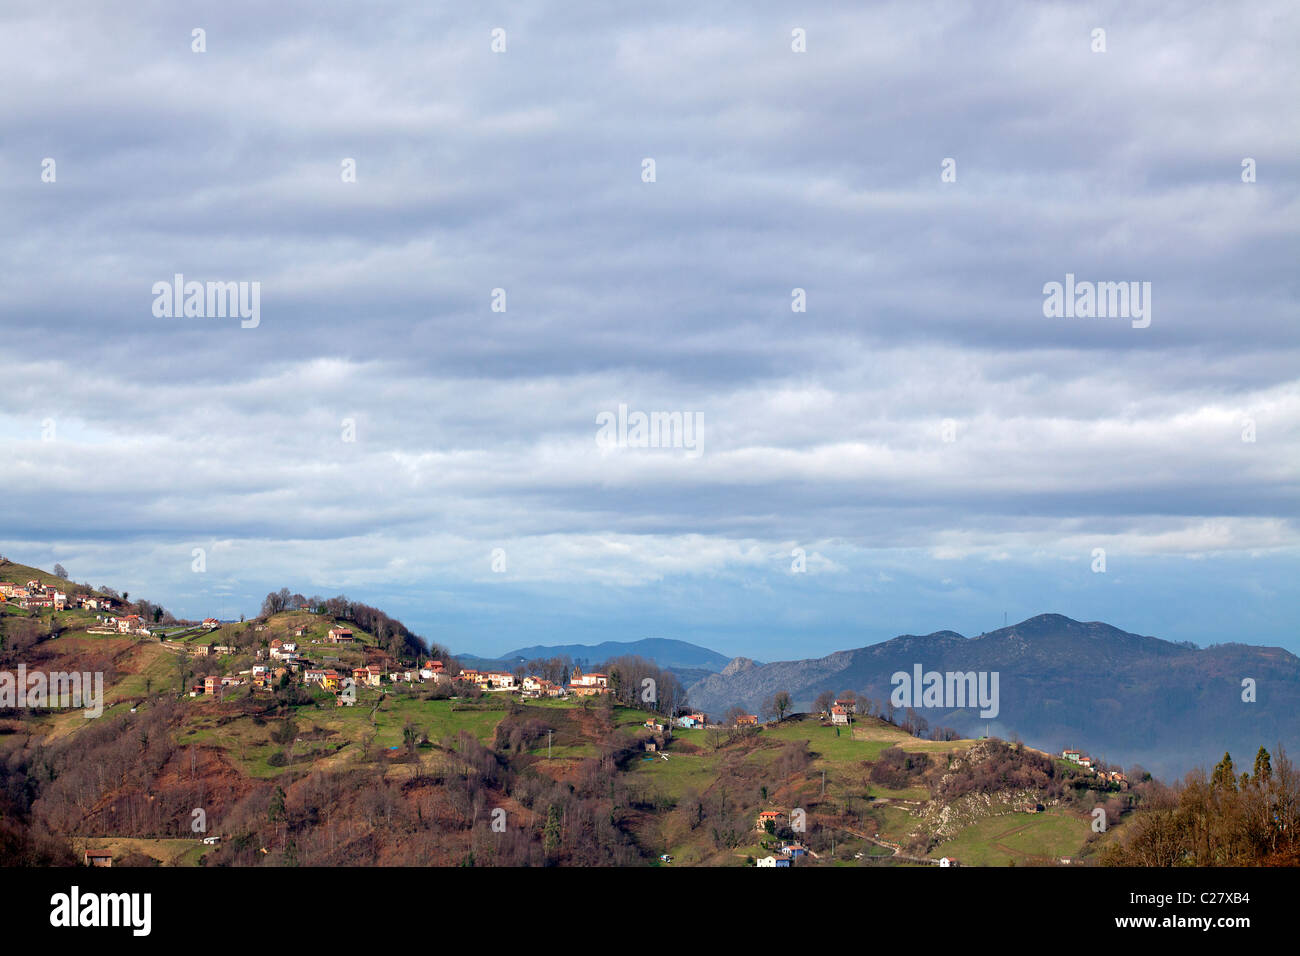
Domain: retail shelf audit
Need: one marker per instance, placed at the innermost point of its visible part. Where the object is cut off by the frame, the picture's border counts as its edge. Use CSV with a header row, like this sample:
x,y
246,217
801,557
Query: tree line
x,y
1218,819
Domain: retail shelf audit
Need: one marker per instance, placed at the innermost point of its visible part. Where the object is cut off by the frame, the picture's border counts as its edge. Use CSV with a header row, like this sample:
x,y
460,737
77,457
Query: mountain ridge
x,y
666,652
1139,698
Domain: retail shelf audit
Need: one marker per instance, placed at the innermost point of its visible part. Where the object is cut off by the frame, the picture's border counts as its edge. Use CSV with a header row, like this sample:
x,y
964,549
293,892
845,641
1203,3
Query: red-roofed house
x,y
588,685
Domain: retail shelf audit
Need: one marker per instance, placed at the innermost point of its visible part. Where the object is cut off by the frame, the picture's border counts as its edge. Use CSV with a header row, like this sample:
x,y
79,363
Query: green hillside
x,y
21,573
573,777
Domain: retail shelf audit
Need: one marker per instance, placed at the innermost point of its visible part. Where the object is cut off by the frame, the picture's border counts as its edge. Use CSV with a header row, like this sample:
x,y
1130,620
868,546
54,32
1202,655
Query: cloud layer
x,y
921,422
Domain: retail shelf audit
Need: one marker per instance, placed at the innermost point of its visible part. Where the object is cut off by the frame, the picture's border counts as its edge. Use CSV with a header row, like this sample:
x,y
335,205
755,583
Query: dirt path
x,y
896,850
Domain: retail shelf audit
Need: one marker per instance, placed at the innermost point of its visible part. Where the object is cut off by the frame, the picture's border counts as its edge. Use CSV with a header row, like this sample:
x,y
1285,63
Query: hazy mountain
x,y
1125,697
688,661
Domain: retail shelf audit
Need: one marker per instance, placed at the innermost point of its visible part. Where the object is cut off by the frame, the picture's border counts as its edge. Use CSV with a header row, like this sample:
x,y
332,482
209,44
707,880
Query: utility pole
x,y
823,783
548,744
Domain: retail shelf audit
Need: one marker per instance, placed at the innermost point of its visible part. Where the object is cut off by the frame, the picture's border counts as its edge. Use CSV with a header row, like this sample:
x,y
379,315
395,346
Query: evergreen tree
x,y
1263,768
552,837
1224,775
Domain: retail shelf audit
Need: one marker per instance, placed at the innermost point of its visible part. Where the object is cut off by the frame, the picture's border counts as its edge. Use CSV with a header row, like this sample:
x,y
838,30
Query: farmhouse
x,y
534,686
764,816
747,720
839,715
588,685
340,635
579,679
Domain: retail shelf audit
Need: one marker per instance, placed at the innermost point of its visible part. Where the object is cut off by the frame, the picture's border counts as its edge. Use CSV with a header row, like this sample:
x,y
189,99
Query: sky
x,y
822,234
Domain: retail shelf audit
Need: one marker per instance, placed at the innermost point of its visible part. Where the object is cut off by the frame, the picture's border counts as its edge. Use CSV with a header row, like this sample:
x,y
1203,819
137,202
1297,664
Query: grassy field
x,y
21,574
894,823
166,852
334,733
672,777
1018,838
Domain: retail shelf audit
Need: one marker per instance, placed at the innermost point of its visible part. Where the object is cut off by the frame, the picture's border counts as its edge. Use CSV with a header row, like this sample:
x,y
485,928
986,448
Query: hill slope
x,y
290,775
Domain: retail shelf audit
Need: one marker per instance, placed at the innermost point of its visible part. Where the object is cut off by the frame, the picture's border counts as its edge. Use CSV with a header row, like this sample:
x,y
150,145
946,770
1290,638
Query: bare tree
x,y
782,703
824,701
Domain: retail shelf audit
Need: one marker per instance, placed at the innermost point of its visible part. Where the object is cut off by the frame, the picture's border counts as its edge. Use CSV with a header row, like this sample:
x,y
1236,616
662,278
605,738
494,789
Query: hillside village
x,y
317,652
1087,763
313,693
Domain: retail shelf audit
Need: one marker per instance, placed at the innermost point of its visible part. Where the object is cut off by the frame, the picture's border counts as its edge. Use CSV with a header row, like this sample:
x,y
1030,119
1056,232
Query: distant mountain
x,y
678,656
1126,697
